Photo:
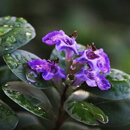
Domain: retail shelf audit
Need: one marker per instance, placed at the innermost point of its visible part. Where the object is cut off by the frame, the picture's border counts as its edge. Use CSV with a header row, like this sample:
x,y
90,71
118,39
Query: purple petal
x,y
90,78
37,64
81,75
104,63
53,37
77,82
91,83
47,75
61,73
91,55
102,82
81,52
81,60
62,45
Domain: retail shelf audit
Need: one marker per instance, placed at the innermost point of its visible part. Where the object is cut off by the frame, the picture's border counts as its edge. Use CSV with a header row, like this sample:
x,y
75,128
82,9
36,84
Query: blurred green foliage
x,y
104,22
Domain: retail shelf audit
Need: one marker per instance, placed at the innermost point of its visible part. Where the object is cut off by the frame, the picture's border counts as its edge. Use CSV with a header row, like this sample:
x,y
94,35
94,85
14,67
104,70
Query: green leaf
x,y
30,98
27,120
33,127
14,33
80,48
76,126
61,55
83,111
6,75
8,119
120,86
53,97
17,62
118,111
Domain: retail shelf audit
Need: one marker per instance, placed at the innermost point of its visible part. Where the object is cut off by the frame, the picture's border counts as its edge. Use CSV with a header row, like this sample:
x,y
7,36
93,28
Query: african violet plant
x,y
74,89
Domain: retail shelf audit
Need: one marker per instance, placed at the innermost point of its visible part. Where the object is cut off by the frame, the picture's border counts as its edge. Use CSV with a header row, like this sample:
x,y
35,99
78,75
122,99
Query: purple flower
x,y
48,69
92,78
63,42
97,59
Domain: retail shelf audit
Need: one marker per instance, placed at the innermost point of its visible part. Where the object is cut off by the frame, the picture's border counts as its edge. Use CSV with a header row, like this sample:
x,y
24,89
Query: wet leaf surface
x,y
14,33
120,86
18,63
82,111
8,119
30,98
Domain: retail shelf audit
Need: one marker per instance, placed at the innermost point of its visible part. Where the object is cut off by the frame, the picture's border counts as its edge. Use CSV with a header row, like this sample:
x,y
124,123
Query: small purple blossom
x,y
48,69
97,59
92,79
63,42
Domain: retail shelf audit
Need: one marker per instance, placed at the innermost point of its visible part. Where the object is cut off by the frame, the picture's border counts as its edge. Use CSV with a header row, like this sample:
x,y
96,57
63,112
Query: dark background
x,y
104,22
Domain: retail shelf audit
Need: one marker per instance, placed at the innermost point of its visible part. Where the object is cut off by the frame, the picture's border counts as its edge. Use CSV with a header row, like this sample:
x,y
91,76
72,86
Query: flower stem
x,y
60,118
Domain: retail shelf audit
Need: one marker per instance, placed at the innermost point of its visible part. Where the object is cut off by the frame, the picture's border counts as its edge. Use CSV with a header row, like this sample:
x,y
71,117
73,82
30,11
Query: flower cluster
x,y
96,60
49,69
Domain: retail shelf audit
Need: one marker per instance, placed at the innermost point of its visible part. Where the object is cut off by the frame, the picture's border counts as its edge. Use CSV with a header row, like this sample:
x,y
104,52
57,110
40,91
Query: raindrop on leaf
x,y
11,61
7,17
4,30
22,20
31,75
39,108
28,34
10,39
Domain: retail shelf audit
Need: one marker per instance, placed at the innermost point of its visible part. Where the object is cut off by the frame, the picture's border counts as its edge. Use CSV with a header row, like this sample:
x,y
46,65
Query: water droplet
x,y
18,93
11,62
31,75
18,25
28,34
5,29
6,49
6,85
10,39
39,108
16,31
7,17
6,26
22,20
